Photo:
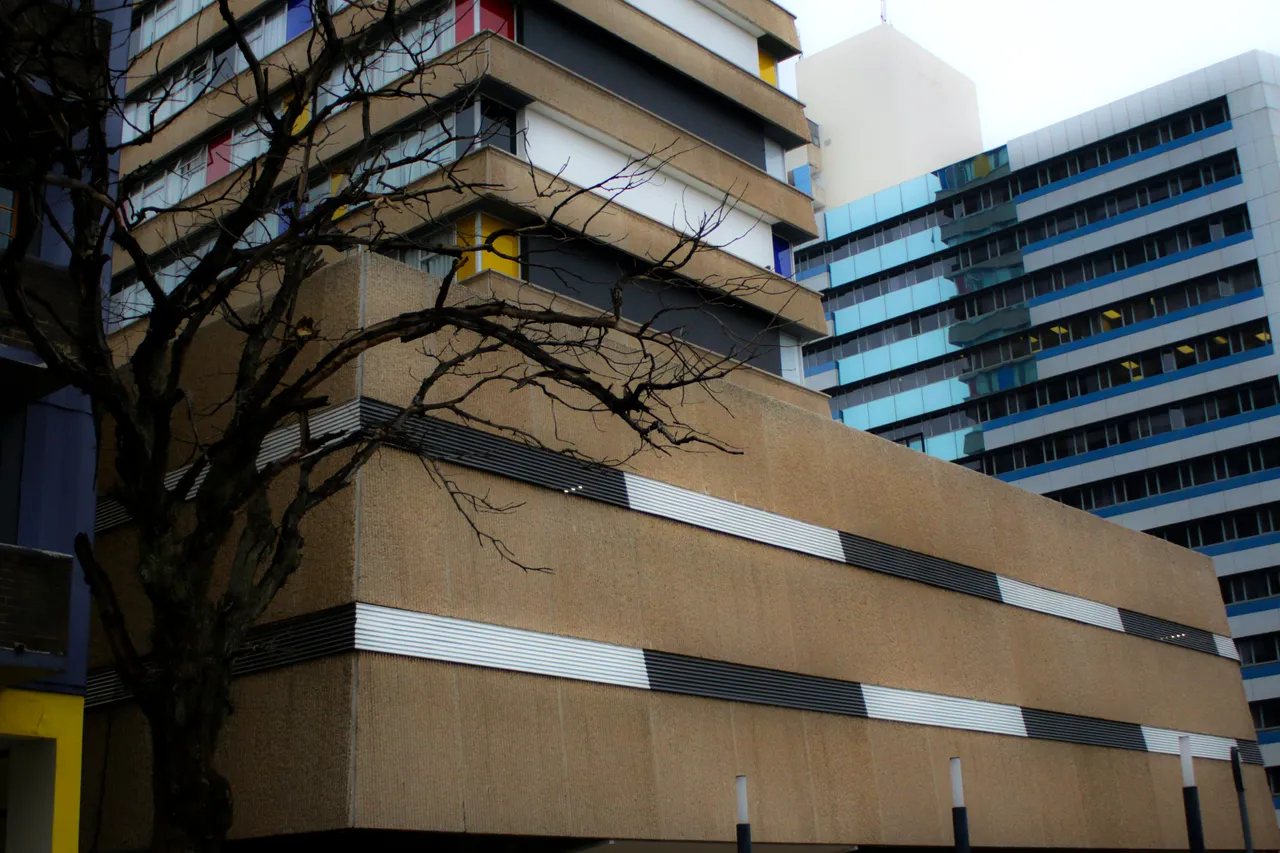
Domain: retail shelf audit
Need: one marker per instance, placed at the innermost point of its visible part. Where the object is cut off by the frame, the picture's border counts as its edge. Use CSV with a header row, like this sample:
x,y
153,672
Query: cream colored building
x,y
887,110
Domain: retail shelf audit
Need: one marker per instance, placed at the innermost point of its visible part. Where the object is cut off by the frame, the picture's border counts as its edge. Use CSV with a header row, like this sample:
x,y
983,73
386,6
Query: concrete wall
x,y
400,742
888,111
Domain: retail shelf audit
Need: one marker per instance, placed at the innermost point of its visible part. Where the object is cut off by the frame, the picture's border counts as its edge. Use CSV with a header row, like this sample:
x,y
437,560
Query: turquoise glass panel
x,y
937,396
926,294
862,213
851,368
893,254
945,447
857,417
915,192
898,302
873,311
880,412
901,353
842,272
909,404
922,243
876,361
867,263
846,320
838,222
933,344
888,203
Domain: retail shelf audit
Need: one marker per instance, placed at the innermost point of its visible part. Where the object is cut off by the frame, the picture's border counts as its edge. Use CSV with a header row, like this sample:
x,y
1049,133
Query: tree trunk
x,y
192,800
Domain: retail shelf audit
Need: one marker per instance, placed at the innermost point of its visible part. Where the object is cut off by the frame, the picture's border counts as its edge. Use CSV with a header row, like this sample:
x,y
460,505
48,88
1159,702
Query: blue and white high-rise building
x,y
1087,312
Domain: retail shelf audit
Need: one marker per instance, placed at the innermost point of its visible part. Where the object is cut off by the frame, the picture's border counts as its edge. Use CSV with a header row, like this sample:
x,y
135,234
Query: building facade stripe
x,y
505,457
386,630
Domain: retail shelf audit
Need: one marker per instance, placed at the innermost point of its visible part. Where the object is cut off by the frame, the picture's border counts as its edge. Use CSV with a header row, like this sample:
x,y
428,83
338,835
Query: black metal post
x,y
744,824
1191,798
1238,776
960,828
959,814
744,838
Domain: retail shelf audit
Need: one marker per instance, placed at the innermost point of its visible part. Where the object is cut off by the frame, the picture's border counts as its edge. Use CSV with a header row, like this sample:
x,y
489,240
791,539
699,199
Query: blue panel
x,y
876,361
937,396
862,213
846,320
946,447
933,344
873,311
1260,671
899,302
893,254
909,404
781,256
297,18
922,243
811,272
1240,545
867,263
888,203
802,180
901,353
857,417
1266,735
881,412
1258,606
851,369
926,294
1123,161
915,192
837,222
59,468
842,272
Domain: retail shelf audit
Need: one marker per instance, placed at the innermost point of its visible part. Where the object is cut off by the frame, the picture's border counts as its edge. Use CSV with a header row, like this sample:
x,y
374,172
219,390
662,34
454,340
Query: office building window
x,y
954,207
1251,586
8,216
1123,430
1266,714
1264,648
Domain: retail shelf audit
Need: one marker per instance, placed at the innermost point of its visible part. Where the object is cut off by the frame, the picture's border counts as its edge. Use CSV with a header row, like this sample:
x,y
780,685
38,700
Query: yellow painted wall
x,y
28,713
768,68
487,260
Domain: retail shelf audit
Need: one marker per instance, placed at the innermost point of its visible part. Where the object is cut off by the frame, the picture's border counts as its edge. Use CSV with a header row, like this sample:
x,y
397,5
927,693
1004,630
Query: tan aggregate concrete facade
x,y
486,56
383,742
375,741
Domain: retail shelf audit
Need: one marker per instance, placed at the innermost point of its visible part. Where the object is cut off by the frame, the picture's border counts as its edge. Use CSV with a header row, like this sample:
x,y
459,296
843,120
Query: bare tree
x,y
330,169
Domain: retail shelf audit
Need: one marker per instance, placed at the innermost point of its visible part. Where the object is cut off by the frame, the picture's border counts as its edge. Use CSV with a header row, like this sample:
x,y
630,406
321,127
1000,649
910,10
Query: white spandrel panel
x,y
645,188
714,32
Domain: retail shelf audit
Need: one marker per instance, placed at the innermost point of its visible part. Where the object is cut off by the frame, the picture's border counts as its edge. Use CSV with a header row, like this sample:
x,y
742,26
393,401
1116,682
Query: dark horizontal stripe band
x,y
373,628
483,451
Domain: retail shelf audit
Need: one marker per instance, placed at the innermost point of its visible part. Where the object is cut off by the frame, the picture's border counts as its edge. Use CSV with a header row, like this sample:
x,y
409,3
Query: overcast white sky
x,y
1036,62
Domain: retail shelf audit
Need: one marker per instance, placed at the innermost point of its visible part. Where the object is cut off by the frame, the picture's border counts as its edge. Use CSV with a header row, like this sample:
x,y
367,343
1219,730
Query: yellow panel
x,y
768,68
467,237
28,713
508,244
335,186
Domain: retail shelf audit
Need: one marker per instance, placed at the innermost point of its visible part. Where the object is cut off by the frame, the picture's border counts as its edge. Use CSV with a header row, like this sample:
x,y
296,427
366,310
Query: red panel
x,y
465,19
219,163
499,16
